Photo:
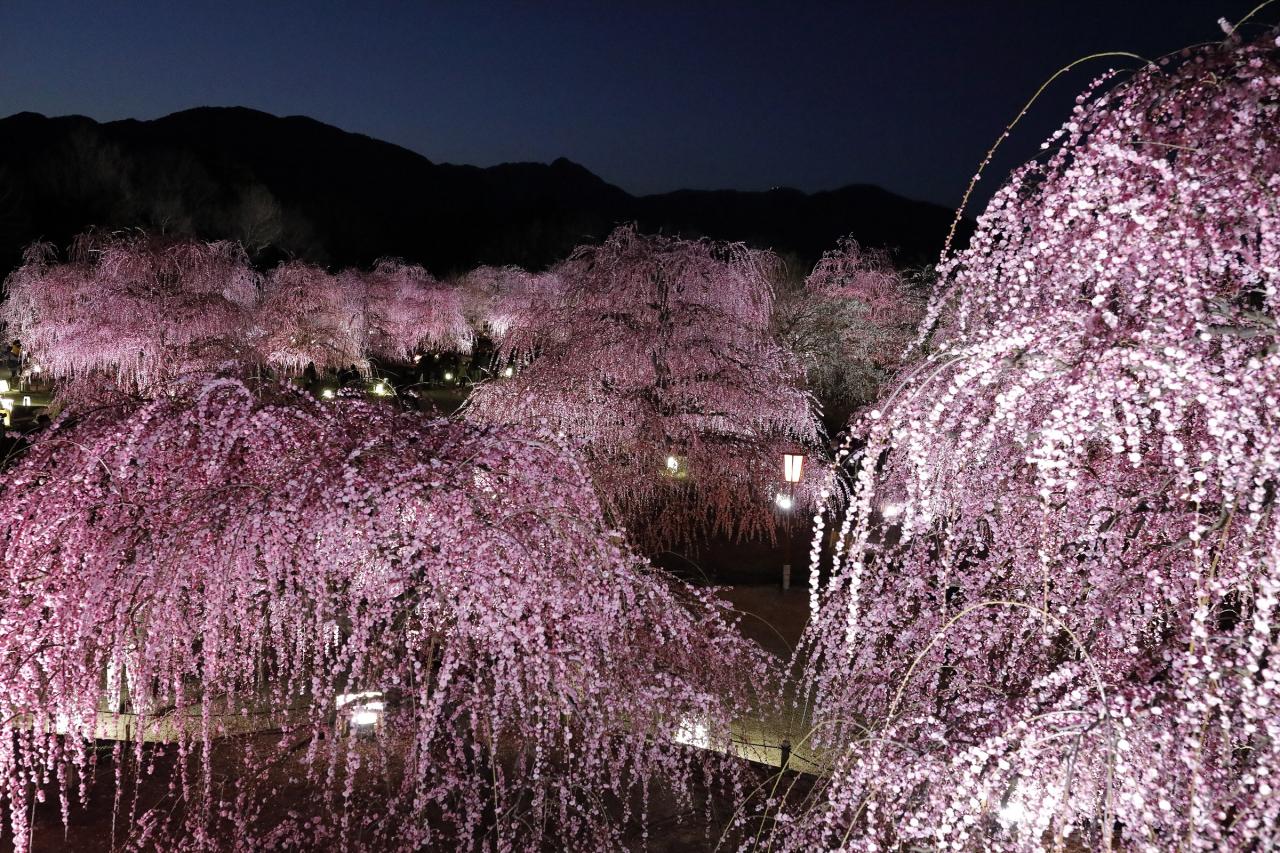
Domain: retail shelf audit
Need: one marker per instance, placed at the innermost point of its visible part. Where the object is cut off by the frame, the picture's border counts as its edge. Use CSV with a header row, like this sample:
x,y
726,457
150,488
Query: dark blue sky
x,y
651,96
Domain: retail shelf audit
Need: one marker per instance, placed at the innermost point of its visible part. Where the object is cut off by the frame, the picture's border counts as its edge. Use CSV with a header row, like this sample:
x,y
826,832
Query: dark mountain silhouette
x,y
294,187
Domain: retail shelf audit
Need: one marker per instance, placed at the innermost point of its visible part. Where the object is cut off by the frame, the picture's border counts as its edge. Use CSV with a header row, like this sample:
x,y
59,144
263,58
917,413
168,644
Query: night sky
x,y
651,96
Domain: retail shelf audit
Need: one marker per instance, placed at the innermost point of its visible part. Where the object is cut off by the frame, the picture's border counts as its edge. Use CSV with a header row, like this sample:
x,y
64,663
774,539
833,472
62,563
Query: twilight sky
x,y
651,96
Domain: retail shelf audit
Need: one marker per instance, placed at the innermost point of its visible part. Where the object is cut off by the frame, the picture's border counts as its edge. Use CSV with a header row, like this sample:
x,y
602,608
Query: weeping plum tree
x,y
436,638
850,322
146,309
409,311
140,310
1070,637
508,303
658,361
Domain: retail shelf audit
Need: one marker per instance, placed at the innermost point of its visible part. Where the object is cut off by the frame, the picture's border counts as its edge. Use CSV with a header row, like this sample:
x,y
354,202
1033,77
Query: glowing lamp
x,y
891,510
363,709
4,386
693,731
26,401
792,467
380,389
448,377
6,404
784,502
327,393
509,372
673,464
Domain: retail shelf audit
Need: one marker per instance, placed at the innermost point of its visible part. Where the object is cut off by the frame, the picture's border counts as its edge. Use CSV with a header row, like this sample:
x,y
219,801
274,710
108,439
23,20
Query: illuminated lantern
x,y
792,466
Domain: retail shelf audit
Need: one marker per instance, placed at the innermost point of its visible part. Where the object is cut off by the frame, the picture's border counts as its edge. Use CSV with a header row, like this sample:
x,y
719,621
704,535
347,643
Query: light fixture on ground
x,y
4,386
26,401
327,393
891,510
381,389
508,372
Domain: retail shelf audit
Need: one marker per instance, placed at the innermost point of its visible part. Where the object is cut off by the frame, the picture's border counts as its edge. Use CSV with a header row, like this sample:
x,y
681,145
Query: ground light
x,y
4,386
891,510
327,393
381,389
508,372
448,377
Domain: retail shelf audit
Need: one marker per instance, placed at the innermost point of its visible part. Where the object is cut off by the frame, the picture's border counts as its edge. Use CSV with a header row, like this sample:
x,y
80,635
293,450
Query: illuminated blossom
x,y
1069,630
659,363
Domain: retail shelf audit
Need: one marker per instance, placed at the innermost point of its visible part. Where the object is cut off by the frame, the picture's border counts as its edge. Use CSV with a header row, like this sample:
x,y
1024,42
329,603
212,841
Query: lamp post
x,y
792,471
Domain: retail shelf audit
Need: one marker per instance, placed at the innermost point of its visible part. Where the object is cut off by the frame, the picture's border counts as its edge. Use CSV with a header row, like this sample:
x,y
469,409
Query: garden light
x,y
448,377
4,386
792,467
784,501
365,709
509,372
327,393
891,510
26,401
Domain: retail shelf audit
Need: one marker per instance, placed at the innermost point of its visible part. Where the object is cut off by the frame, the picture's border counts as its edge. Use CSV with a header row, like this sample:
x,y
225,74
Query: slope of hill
x,y
294,187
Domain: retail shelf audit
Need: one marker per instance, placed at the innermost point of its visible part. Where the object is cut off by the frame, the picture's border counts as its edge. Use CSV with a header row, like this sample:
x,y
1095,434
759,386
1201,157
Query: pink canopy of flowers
x,y
658,361
139,311
1052,614
238,560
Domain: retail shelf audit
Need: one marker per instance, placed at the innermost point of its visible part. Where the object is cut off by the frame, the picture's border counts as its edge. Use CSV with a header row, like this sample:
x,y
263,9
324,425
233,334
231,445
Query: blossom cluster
x,y
139,311
656,358
444,643
1052,615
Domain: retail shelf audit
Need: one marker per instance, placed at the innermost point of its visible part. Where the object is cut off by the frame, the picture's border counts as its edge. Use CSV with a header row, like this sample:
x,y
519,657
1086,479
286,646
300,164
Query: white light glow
x,y
327,393
380,388
784,501
693,732
1013,812
26,401
364,717
673,464
891,510
6,404
4,386
448,377
792,467
365,708
509,372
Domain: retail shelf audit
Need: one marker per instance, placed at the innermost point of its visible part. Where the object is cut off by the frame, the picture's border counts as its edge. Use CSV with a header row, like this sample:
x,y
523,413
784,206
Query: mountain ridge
x,y
293,186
